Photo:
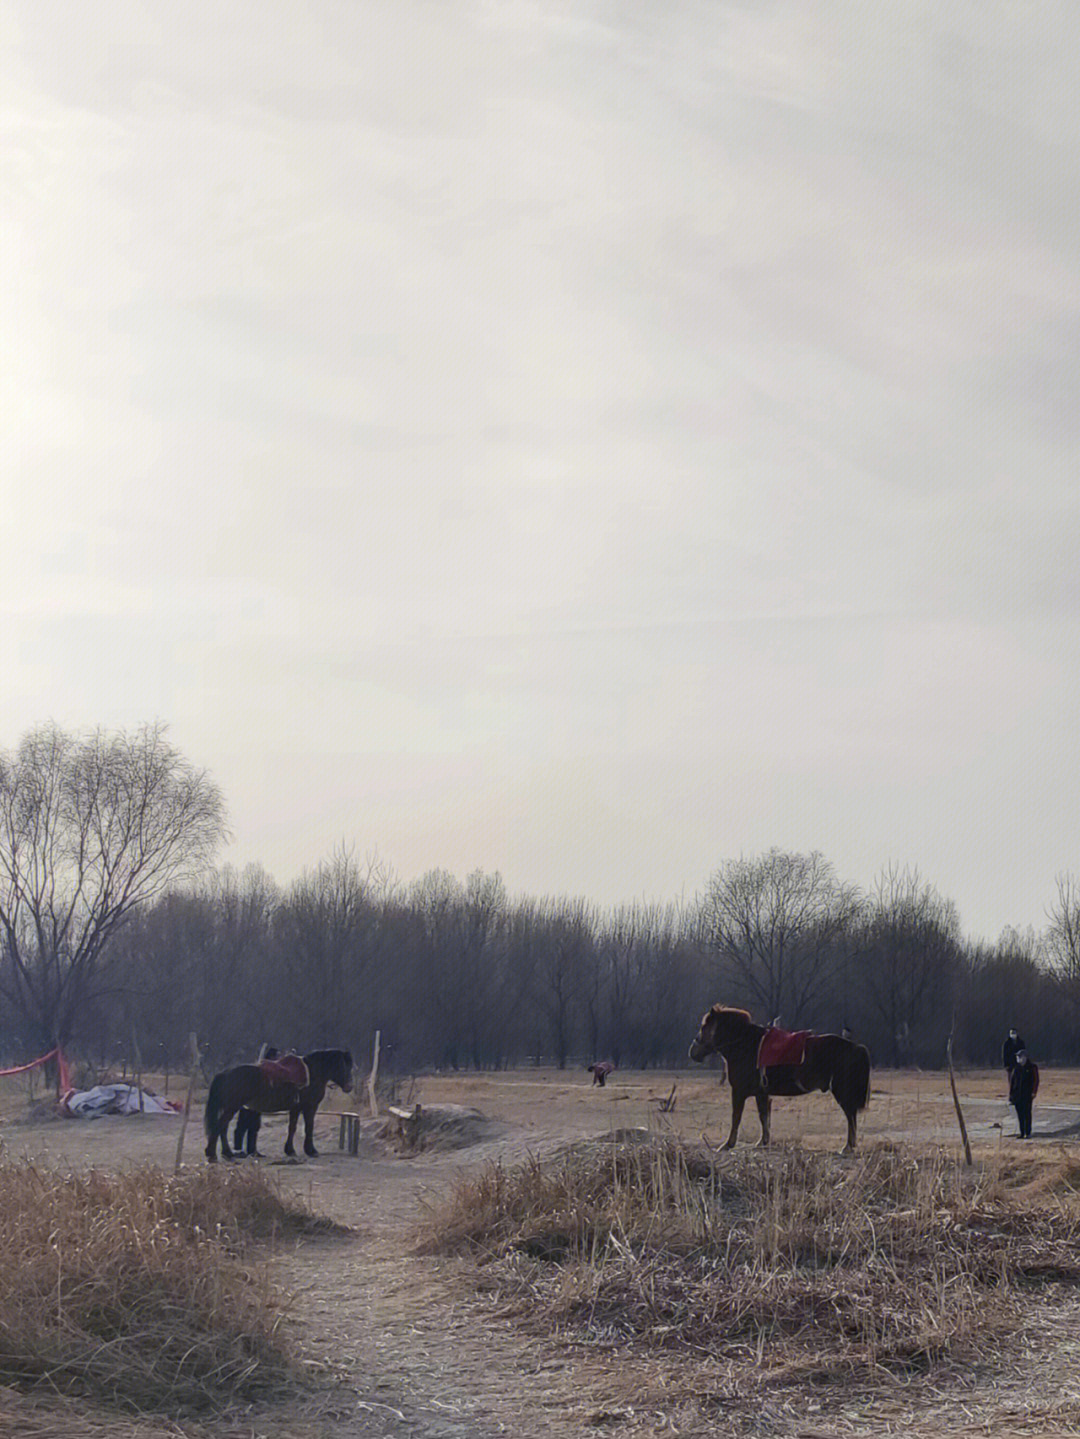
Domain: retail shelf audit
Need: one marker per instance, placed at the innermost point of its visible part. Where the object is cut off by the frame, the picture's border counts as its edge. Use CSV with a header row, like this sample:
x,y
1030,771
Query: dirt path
x,y
422,1358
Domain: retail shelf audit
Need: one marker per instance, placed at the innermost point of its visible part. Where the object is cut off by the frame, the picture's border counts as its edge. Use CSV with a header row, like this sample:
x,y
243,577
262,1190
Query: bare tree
x,y
1005,984
909,954
568,940
638,949
325,928
621,953
776,924
438,899
91,827
1061,940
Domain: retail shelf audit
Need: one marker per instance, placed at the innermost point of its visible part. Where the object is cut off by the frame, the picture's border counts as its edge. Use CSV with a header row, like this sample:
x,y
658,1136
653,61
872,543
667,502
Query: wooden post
x,y
956,1099
136,1065
187,1101
372,1100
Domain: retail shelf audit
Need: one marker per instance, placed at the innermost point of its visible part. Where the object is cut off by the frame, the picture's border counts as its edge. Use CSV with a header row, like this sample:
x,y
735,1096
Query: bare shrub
x,y
884,1261
129,1288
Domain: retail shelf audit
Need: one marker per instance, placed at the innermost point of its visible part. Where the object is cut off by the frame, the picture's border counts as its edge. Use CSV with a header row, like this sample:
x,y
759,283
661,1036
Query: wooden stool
x,y
349,1132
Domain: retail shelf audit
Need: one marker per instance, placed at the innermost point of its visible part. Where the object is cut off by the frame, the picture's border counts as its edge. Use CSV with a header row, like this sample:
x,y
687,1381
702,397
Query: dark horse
x,y
830,1063
248,1086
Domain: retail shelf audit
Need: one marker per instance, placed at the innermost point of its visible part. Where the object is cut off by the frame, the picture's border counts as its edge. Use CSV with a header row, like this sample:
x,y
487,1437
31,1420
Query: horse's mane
x,y
329,1054
720,1009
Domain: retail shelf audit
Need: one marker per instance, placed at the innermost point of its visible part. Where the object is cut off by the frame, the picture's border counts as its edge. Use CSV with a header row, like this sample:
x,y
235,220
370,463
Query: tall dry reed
x,y
885,1259
130,1288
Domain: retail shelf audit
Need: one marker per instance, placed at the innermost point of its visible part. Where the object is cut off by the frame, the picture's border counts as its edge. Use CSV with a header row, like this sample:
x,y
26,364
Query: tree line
x,y
115,931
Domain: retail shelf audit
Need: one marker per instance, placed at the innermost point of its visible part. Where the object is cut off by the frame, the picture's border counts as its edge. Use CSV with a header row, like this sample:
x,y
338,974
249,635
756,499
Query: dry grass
x,y
807,1267
130,1289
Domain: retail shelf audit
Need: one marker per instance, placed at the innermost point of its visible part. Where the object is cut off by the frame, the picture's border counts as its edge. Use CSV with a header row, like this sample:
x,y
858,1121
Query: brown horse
x,y
830,1063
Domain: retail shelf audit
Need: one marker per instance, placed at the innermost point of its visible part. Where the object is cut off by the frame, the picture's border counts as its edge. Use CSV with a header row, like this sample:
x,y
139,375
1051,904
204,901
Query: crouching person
x,y
1023,1087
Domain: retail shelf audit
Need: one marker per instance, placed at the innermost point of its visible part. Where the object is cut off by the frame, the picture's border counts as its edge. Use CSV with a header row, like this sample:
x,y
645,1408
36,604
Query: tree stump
x,y
404,1124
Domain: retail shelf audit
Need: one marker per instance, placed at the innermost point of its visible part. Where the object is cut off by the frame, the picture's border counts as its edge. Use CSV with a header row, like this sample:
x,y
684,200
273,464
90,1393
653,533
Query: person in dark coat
x,y
1023,1087
248,1123
1009,1050
600,1071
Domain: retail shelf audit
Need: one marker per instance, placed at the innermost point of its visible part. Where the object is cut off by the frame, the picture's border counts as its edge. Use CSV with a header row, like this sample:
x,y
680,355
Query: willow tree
x,y
91,827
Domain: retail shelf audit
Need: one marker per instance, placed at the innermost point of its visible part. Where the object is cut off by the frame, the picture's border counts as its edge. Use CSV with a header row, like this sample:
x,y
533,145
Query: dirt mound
x,y
633,1137
441,1127
639,1134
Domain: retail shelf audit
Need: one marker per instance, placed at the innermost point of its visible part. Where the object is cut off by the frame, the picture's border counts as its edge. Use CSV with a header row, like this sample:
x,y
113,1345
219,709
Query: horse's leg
x,y
737,1102
294,1116
220,1135
764,1109
212,1118
240,1132
309,1131
227,1116
850,1116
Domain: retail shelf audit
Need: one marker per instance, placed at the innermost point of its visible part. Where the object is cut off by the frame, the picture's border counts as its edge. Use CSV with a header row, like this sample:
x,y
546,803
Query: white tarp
x,y
113,1099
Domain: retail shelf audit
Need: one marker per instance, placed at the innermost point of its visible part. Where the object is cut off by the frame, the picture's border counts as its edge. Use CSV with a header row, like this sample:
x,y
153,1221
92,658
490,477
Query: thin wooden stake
x,y
372,1100
187,1101
136,1065
956,1101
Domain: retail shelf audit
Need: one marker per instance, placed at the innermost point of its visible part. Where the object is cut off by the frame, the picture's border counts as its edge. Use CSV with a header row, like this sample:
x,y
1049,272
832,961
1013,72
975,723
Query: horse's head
x,y
342,1075
719,1025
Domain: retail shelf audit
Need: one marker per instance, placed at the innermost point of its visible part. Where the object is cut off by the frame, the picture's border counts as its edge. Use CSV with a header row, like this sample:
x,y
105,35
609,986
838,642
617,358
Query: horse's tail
x,y
860,1074
213,1107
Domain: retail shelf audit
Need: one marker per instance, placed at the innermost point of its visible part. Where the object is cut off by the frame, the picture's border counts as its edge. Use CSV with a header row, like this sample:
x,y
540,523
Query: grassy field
x,y
546,1279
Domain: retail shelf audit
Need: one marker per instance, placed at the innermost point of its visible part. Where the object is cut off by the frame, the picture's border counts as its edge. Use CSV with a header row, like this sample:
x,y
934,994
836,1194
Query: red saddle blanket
x,y
290,1069
782,1046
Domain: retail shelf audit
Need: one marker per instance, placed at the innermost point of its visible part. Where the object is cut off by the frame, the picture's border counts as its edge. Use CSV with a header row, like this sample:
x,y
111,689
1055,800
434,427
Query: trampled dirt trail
x,y
423,1358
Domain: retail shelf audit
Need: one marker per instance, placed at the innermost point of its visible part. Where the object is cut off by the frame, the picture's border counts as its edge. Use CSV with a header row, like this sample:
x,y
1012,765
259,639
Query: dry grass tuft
x,y
810,1267
129,1289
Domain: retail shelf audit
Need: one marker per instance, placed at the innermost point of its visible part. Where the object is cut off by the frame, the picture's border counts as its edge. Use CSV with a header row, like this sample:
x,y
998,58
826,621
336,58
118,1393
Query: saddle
x,y
289,1069
782,1046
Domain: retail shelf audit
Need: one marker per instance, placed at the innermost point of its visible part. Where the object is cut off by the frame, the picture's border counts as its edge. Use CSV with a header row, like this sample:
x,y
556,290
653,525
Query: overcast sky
x,y
585,441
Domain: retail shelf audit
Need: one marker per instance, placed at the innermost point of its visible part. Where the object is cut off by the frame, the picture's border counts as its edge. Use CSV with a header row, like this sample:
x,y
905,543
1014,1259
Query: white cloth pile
x,y
112,1099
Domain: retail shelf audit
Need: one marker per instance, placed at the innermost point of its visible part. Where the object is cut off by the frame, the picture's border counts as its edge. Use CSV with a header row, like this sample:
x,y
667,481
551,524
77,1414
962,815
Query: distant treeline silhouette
x,y
459,974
